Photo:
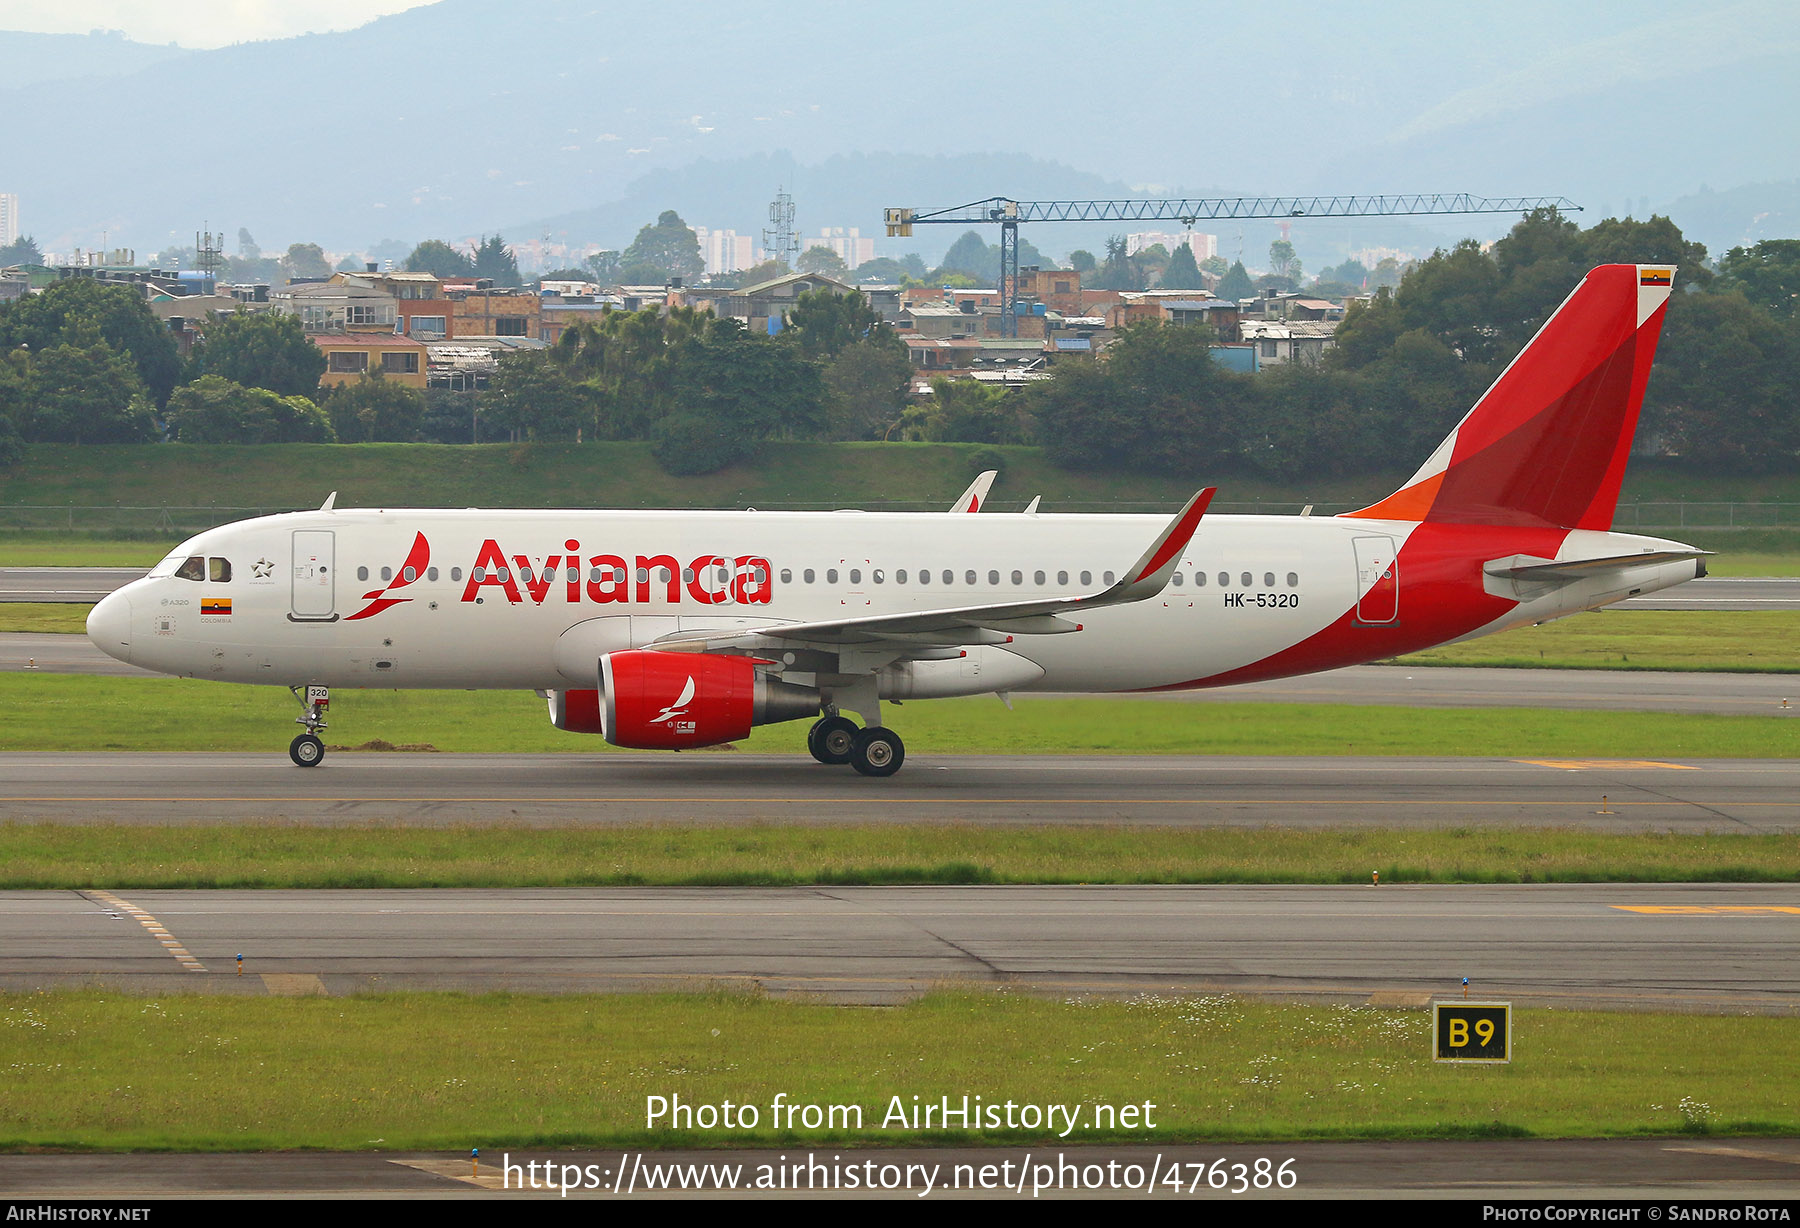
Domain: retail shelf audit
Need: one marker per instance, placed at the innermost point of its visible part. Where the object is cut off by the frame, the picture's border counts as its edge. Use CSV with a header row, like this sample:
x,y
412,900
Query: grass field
x,y
50,617
56,856
49,712
1748,641
440,1071
288,476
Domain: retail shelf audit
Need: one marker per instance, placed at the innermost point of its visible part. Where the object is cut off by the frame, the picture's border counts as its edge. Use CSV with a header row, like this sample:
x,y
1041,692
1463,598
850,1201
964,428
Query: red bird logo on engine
x,y
414,567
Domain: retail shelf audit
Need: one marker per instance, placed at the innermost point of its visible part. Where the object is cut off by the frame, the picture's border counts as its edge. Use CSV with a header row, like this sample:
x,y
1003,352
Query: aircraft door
x,y
314,576
1377,581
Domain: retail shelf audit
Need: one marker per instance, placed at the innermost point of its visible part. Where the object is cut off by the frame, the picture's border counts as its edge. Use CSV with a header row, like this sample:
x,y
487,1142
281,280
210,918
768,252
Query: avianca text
x,y
605,579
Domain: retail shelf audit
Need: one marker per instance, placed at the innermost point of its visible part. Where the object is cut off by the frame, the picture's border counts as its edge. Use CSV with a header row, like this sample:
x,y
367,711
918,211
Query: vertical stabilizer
x,y
1547,444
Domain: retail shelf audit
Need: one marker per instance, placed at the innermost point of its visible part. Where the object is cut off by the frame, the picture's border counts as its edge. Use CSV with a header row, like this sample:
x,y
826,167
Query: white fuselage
x,y
308,600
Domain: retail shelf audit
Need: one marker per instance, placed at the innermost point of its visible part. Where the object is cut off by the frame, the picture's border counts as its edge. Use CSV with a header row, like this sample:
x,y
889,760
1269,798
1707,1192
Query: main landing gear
x,y
307,750
876,751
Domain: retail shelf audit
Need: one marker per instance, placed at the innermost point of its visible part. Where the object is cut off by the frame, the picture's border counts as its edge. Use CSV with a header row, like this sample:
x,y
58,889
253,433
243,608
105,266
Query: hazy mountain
x,y
1739,217
32,59
467,116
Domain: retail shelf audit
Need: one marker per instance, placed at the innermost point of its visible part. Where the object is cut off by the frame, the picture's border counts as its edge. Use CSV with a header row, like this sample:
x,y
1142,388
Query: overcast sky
x,y
196,23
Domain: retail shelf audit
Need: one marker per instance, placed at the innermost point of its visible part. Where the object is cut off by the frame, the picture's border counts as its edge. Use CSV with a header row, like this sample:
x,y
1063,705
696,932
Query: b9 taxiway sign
x,y
1471,1031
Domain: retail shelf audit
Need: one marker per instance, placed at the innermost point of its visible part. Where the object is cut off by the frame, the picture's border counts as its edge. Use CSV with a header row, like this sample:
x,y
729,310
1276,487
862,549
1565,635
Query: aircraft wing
x,y
961,625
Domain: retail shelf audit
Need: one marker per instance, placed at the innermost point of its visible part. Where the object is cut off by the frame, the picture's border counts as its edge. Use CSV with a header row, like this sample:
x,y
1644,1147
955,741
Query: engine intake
x,y
653,700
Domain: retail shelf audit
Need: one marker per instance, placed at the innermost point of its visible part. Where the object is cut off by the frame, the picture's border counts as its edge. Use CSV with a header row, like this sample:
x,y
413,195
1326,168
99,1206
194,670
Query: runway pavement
x,y
1684,947
89,584
729,787
1560,1170
59,584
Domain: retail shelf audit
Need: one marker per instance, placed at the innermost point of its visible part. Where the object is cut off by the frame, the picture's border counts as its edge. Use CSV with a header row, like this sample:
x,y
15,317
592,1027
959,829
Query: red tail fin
x,y
1547,444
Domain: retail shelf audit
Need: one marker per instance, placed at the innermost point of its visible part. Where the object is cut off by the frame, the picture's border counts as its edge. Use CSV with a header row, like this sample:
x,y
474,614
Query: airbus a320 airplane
x,y
666,630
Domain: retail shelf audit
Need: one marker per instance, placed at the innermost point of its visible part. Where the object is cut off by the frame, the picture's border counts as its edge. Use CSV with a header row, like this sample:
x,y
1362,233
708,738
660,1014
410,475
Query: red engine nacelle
x,y
668,700
576,711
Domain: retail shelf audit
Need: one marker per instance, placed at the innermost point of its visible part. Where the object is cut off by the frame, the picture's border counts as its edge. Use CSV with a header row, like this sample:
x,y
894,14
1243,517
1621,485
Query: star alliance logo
x,y
262,569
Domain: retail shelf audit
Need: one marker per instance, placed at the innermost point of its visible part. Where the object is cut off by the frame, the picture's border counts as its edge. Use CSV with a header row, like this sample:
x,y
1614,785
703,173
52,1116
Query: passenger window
x,y
724,575
1224,579
1268,579
969,578
1037,577
479,575
1199,579
807,575
687,575
1018,577
924,576
411,574
572,575
362,573
787,575
193,569
1293,579
1087,577
1062,577
856,575
1247,580
219,571
831,575
877,573
1175,579
643,575
900,576
387,573
431,573
993,577
1107,576
456,573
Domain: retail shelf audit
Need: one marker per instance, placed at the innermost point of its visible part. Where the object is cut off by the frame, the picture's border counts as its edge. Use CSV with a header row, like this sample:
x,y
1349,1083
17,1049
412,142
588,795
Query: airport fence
x,y
170,520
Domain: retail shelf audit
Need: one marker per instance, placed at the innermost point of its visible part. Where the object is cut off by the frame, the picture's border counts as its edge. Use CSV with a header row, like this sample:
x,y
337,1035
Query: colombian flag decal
x,y
1655,277
215,605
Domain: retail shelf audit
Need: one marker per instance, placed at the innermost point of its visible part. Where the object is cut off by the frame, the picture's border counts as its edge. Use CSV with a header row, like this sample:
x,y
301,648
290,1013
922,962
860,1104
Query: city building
x,y
1202,245
336,307
349,356
851,247
9,218
422,309
725,251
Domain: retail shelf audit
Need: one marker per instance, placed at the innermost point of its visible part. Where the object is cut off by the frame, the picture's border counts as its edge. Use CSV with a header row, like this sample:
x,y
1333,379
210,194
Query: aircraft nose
x,y
109,626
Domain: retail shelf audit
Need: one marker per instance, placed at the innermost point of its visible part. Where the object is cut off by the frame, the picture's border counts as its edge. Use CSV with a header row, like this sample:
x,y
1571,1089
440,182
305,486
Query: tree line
x,y
88,363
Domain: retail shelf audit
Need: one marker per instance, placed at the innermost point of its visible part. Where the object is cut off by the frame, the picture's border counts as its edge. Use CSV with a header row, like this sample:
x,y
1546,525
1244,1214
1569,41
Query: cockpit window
x,y
218,570
193,569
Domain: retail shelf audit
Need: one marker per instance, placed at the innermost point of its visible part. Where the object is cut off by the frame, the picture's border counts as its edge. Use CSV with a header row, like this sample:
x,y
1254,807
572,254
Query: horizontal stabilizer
x,y
1524,567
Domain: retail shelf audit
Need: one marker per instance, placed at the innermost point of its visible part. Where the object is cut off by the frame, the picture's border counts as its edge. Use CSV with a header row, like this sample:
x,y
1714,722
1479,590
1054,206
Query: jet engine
x,y
653,700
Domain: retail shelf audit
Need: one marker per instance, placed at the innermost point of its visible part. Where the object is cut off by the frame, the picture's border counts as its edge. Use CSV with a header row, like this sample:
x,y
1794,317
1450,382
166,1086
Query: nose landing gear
x,y
306,750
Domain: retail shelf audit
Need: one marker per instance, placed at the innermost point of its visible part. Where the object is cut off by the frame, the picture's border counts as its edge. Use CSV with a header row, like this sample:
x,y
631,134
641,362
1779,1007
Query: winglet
x,y
971,499
1151,572
330,502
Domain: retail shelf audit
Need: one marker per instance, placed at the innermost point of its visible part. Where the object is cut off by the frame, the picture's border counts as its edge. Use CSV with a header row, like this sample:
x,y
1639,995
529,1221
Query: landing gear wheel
x,y
877,752
306,751
832,740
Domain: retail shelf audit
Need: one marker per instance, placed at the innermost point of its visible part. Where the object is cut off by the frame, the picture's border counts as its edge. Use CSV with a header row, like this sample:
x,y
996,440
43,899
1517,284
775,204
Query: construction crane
x,y
1009,213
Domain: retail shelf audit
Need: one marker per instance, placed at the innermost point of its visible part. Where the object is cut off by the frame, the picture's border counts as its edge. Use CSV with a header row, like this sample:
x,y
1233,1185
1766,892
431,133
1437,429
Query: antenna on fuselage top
x,y
329,500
